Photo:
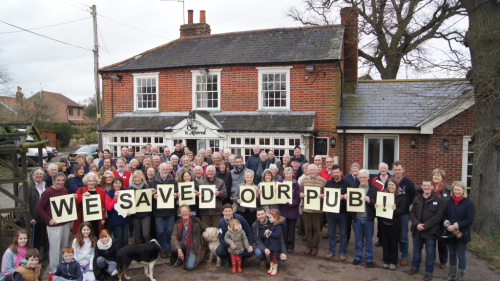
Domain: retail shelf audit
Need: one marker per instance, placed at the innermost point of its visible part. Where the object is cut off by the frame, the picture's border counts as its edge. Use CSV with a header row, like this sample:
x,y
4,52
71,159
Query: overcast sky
x,y
126,28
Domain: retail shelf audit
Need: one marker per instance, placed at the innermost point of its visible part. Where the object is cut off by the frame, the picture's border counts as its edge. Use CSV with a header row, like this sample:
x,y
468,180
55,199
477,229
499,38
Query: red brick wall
x,y
427,155
239,87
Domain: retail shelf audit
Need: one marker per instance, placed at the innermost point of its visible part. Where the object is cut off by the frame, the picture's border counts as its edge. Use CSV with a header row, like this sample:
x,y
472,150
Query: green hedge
x,y
64,130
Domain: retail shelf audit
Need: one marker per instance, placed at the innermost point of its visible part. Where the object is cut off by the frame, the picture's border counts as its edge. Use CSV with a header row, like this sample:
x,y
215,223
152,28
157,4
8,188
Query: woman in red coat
x,y
90,188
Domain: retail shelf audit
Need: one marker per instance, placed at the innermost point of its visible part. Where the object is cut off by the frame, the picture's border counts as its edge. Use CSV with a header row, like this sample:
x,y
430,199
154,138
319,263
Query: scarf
x,y
104,246
439,189
457,200
138,187
21,252
189,242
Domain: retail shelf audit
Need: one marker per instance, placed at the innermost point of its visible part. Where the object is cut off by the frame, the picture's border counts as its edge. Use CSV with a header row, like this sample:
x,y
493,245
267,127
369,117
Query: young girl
x,y
237,236
83,246
105,256
273,235
14,254
390,228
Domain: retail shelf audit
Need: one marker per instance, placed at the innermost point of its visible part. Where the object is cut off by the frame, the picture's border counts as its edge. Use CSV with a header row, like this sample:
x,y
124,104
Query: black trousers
x,y
389,235
249,216
289,233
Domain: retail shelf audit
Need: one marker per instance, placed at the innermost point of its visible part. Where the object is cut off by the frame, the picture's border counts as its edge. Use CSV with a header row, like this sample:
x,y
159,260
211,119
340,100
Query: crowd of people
x,y
440,214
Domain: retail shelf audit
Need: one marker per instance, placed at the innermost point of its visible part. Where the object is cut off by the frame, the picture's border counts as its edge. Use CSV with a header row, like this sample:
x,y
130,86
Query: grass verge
x,y
487,248
4,172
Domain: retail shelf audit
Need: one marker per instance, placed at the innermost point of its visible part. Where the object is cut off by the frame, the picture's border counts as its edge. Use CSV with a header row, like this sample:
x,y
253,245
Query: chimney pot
x,y
190,16
202,16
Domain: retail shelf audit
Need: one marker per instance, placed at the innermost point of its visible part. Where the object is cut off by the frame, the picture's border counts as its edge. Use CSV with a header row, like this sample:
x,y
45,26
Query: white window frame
x,y
269,70
287,147
465,158
196,73
146,76
365,150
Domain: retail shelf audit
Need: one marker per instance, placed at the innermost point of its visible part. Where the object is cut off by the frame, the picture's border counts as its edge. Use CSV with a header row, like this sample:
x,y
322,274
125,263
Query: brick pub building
x,y
279,88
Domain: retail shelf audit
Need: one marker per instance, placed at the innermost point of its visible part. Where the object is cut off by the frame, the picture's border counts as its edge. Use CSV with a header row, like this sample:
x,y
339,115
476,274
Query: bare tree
x,y
396,32
35,109
483,40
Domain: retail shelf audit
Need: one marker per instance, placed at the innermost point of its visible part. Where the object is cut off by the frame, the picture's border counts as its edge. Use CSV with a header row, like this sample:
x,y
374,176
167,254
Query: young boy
x,y
69,268
29,270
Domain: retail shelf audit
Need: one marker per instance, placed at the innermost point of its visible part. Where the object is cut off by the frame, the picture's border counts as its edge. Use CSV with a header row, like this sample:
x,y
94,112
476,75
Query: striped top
x,y
318,182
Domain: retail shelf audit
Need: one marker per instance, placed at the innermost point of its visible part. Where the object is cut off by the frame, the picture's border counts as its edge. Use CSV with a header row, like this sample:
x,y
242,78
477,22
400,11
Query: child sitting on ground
x,y
29,270
273,236
236,236
69,268
14,254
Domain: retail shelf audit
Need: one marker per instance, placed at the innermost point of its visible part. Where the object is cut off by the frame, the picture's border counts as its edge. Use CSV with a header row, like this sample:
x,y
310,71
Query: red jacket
x,y
126,178
76,224
377,182
324,174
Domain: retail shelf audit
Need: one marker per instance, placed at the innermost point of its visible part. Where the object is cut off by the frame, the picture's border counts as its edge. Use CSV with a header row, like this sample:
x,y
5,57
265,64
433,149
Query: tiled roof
x,y
153,122
225,121
266,121
320,43
401,103
62,98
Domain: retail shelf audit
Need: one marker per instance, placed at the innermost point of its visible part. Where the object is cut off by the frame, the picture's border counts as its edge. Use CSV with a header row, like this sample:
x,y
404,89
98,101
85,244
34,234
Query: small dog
x,y
146,254
211,235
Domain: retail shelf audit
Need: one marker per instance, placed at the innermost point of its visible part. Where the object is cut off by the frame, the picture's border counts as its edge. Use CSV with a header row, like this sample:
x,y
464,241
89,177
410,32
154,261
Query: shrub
x,y
64,131
91,138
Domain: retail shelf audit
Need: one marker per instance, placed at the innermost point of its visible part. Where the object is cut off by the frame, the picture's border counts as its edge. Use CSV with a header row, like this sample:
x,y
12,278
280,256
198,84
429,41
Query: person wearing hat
x,y
297,153
297,168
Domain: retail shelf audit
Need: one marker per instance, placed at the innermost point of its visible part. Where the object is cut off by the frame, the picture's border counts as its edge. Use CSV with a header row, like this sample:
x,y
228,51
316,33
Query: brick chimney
x,y
349,19
19,96
195,29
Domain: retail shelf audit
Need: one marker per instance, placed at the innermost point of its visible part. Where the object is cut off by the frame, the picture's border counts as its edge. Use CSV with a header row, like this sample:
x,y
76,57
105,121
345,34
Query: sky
x,y
125,29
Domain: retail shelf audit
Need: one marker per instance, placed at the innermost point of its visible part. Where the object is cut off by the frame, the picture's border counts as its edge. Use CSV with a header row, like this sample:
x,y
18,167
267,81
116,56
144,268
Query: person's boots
x,y
452,276
239,267
461,275
275,270
271,266
137,241
227,262
234,267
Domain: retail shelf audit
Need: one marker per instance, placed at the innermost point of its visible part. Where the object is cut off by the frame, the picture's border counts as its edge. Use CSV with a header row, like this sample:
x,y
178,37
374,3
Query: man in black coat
x,y
426,215
340,219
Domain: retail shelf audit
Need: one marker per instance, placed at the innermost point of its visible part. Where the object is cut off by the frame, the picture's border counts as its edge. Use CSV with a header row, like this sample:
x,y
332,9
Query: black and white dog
x,y
146,254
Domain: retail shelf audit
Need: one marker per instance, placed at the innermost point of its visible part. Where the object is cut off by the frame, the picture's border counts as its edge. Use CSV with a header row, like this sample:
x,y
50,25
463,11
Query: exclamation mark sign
x,y
385,201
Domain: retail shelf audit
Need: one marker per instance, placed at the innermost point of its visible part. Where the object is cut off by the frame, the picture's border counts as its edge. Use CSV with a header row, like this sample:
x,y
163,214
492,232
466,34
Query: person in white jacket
x,y
84,245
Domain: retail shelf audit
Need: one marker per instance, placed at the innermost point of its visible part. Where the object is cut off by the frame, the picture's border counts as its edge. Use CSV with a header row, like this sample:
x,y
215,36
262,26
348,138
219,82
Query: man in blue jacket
x,y
227,211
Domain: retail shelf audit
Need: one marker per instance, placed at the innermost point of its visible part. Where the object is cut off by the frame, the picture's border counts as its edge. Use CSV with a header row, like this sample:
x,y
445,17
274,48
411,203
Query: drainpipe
x,y
345,149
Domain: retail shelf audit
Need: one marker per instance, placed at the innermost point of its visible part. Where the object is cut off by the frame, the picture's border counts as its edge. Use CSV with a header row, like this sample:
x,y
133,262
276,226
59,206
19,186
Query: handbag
x,y
445,236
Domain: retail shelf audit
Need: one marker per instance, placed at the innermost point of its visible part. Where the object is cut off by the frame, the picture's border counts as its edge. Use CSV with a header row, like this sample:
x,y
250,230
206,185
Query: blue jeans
x,y
191,259
430,253
164,228
363,230
259,254
461,248
222,252
120,235
333,220
403,240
